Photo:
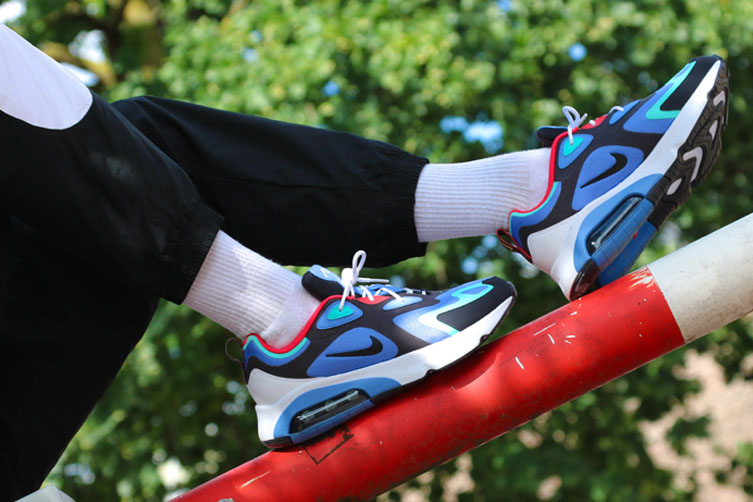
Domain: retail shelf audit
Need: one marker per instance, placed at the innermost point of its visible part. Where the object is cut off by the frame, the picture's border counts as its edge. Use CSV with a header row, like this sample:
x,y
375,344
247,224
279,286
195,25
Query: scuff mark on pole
x,y
254,479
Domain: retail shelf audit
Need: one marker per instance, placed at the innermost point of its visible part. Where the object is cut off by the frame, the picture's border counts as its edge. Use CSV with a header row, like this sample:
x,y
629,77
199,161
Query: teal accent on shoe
x,y
655,112
275,355
333,317
335,314
567,153
568,149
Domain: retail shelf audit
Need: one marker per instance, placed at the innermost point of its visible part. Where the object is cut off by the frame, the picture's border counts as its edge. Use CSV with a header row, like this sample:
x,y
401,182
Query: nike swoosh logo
x,y
374,349
620,162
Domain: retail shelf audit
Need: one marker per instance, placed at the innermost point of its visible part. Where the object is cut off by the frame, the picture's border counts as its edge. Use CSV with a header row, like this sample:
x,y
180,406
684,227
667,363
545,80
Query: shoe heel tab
x,y
508,242
239,362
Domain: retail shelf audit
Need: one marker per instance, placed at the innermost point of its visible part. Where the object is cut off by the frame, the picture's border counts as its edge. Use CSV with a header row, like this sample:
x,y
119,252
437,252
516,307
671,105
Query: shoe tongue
x,y
547,134
321,283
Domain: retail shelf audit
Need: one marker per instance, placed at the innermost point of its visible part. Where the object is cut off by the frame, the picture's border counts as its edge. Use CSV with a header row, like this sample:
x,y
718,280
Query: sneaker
x,y
616,179
360,346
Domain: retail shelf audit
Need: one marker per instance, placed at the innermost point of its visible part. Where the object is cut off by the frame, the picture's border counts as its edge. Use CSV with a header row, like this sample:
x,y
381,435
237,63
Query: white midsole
x,y
557,260
274,394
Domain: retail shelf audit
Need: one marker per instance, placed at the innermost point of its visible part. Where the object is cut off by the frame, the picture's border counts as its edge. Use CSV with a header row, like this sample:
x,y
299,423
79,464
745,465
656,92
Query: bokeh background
x,y
453,81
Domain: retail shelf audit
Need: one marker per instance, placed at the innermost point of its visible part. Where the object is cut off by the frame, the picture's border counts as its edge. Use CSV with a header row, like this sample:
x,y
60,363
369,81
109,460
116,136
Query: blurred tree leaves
x,y
392,70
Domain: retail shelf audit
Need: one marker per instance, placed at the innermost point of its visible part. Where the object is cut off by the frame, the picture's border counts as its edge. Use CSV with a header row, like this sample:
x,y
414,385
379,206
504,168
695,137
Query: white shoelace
x,y
575,119
349,279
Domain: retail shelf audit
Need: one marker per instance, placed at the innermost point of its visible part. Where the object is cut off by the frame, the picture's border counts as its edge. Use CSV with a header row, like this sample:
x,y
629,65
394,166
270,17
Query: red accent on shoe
x,y
589,125
377,299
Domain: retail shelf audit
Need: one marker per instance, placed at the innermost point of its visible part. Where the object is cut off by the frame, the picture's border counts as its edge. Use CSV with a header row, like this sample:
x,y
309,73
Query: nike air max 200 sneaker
x,y
616,179
360,346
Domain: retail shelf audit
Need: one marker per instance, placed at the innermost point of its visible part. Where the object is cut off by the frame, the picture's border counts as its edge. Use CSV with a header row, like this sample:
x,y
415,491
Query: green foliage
x,y
683,429
392,70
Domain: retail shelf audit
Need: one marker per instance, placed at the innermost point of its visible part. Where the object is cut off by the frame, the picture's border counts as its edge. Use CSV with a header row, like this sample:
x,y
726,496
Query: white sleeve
x,y
37,89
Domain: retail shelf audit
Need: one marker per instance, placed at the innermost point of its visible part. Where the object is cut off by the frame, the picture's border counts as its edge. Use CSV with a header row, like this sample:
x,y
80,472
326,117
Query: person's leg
x,y
323,194
64,334
81,175
583,208
295,194
247,293
572,210
590,201
337,191
116,224
83,178
475,198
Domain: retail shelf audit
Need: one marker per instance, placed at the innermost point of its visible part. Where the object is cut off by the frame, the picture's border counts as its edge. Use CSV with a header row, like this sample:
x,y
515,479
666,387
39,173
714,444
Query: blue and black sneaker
x,y
362,345
616,179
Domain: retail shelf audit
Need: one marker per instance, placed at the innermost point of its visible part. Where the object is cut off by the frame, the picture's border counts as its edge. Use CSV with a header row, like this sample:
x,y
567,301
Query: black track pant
x,y
101,217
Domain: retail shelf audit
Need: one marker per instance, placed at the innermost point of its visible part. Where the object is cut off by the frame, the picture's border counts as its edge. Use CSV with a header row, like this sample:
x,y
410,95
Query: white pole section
x,y
709,283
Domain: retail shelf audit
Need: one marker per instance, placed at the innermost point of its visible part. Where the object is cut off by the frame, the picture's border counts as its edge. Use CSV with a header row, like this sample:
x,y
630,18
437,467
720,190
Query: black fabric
x,y
701,67
319,288
101,219
296,194
462,318
103,192
65,333
547,134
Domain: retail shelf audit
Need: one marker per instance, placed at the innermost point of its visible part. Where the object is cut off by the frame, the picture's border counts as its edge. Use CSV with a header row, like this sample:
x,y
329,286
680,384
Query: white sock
x,y
475,198
247,293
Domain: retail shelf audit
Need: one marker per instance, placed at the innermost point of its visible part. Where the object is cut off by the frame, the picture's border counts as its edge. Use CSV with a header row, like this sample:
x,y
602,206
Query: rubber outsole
x,y
666,196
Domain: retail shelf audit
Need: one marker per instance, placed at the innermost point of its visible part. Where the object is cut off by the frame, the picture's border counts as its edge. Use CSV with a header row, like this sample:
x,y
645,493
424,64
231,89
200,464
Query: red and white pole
x,y
534,369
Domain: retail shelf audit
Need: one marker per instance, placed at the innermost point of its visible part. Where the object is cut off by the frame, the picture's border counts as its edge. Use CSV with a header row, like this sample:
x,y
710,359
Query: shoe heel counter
x,y
267,389
546,247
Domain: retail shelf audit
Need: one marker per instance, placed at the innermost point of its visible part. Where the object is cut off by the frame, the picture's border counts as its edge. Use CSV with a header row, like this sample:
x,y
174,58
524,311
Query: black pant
x,y
103,218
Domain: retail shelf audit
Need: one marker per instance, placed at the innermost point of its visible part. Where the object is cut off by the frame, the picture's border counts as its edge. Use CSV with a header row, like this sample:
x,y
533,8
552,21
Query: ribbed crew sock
x,y
247,293
475,198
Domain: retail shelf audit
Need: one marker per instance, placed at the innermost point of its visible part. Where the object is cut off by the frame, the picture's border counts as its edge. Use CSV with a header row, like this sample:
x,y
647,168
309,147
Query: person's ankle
x,y
477,197
294,316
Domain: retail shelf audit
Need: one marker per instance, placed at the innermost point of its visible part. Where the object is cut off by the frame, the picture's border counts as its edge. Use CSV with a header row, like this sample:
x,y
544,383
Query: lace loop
x,y
349,278
574,120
